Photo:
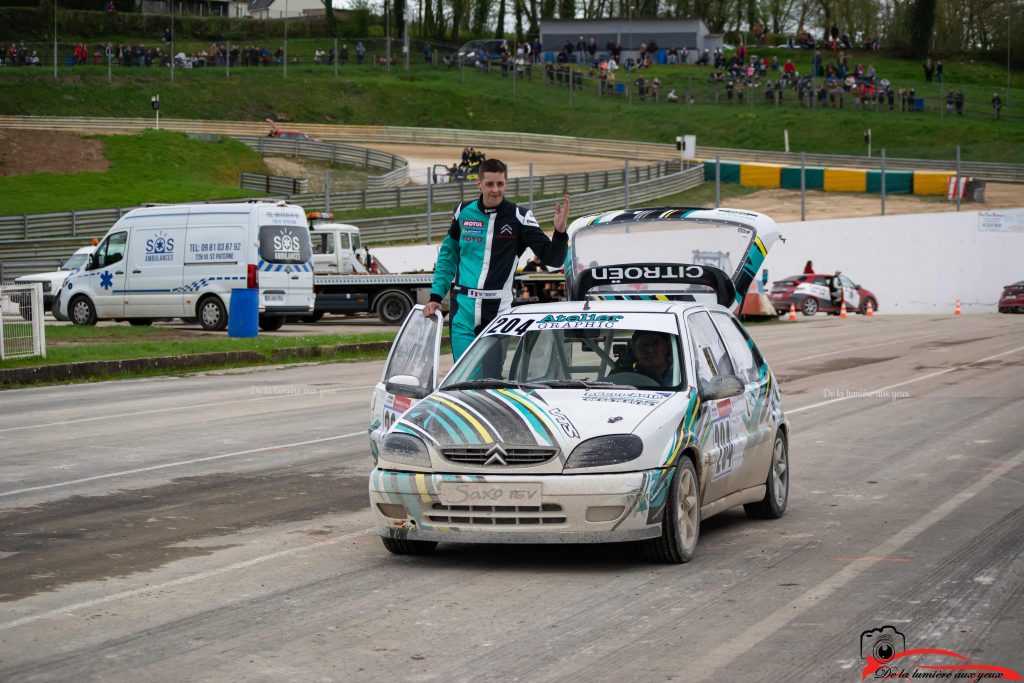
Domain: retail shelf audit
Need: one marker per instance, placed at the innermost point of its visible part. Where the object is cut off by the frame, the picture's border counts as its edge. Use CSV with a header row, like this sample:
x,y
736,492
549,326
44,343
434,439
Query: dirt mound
x,y
41,151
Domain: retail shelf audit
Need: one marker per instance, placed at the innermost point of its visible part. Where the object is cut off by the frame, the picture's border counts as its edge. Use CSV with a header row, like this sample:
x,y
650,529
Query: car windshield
x,y
75,261
577,350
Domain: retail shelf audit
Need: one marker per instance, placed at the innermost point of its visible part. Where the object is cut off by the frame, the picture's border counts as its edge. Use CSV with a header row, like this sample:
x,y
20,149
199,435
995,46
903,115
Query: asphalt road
x,y
215,527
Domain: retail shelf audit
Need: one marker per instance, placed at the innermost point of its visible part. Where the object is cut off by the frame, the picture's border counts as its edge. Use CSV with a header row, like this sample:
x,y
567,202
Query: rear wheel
x,y
681,528
403,546
809,306
776,495
393,307
82,311
212,315
270,323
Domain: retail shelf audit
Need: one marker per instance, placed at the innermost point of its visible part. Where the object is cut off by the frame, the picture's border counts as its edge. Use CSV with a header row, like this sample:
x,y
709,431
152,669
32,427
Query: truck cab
x,y
335,245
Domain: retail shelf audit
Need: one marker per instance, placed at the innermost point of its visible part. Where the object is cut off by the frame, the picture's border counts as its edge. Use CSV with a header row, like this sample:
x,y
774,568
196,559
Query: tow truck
x,y
347,282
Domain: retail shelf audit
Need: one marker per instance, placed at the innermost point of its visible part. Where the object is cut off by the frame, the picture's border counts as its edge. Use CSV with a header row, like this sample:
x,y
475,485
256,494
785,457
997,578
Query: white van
x,y
182,261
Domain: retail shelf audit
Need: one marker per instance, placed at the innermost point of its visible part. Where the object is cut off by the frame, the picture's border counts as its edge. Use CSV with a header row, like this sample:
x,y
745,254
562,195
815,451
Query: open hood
x,y
668,253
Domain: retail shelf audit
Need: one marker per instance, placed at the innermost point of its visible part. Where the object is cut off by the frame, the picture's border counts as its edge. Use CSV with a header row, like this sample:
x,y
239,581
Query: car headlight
x,y
606,450
406,449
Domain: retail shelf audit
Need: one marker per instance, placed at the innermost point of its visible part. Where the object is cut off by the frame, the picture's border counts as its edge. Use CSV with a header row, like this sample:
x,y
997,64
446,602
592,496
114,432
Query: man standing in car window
x,y
479,255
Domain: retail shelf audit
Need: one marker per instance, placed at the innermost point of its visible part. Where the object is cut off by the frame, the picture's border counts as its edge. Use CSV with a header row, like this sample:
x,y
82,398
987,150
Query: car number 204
x,y
484,493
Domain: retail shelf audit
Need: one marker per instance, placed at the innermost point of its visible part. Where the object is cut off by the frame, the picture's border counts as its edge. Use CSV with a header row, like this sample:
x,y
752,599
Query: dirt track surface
x,y
40,151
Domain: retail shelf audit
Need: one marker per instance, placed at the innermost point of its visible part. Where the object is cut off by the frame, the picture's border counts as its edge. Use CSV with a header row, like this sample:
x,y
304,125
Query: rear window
x,y
284,244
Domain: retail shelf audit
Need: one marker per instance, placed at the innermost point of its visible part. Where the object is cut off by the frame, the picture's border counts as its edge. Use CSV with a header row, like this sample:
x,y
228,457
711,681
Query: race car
x,y
629,412
811,293
1012,299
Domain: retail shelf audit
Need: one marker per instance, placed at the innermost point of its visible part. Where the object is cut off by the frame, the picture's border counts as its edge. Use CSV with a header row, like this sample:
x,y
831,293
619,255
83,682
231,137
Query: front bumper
x,y
579,508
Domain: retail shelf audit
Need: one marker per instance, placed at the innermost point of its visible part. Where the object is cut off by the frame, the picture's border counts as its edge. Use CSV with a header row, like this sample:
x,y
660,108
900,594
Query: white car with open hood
x,y
630,412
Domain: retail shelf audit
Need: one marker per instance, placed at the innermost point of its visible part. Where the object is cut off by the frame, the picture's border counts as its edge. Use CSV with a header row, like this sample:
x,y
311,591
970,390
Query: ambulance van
x,y
182,261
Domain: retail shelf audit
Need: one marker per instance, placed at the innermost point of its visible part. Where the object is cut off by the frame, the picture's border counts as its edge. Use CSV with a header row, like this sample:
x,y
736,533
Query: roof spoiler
x,y
655,273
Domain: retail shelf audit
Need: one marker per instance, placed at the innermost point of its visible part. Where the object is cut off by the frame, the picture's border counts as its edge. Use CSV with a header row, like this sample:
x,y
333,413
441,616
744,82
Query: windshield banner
x,y
518,325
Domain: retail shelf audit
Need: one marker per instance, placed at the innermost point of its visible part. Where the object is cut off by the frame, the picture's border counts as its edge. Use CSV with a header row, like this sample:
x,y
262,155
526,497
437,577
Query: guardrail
x,y
44,254
276,184
397,168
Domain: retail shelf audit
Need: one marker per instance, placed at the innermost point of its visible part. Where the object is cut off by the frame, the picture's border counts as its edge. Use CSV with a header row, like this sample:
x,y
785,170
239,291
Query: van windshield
x,y
284,244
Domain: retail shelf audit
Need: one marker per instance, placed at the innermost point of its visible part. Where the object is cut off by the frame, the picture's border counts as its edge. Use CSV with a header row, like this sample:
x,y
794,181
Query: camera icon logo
x,y
882,644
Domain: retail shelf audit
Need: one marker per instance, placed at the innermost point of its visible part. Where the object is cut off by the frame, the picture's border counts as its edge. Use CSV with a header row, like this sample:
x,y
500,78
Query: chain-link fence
x,y
22,333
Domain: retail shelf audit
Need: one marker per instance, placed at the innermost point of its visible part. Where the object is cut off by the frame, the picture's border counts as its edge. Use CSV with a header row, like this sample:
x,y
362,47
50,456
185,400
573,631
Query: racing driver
x,y
479,255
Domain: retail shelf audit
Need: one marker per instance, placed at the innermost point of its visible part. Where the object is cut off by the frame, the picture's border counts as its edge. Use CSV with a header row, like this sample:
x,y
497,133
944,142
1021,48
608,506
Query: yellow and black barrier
x,y
830,179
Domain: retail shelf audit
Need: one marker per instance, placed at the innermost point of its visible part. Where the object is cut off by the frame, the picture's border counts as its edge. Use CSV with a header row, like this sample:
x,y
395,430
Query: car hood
x,y
533,418
52,277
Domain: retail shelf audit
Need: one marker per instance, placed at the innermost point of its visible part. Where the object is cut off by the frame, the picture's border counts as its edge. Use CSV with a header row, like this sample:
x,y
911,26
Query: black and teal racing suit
x,y
478,261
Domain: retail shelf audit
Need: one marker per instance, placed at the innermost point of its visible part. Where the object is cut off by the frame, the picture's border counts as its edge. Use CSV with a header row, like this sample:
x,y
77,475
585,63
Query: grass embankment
x,y
68,344
437,97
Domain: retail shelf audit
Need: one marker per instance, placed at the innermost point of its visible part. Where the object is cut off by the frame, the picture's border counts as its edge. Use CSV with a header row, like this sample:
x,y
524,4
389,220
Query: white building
x,y
278,9
667,33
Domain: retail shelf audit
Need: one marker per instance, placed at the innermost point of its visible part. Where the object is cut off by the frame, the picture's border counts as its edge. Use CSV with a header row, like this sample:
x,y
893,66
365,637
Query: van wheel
x,y
393,307
270,323
26,311
82,311
212,315
140,322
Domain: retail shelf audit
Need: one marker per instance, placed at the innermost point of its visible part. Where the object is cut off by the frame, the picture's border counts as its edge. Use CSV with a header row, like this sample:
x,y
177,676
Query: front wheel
x,y
212,315
270,323
55,309
82,311
864,306
681,528
776,495
809,306
403,546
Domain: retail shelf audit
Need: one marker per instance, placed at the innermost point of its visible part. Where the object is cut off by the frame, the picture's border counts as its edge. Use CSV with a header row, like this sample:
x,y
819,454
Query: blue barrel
x,y
244,316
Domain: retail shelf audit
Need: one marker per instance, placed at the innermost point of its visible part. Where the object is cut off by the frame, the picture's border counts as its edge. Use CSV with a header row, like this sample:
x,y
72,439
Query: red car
x,y
1012,300
286,134
811,293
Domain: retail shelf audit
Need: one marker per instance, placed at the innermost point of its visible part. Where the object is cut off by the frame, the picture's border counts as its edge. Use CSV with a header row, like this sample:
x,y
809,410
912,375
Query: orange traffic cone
x,y
792,312
871,310
957,311
842,309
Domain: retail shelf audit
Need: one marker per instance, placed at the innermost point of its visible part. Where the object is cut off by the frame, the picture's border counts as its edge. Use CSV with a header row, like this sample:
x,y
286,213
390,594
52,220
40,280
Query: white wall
x,y
916,263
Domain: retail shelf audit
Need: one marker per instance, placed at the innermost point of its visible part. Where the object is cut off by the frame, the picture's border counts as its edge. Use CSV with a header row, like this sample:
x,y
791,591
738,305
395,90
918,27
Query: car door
x,y
155,264
110,264
722,438
410,372
753,419
850,293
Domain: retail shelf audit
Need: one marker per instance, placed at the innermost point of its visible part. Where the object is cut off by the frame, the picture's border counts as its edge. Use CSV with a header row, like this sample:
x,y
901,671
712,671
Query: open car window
x,y
631,351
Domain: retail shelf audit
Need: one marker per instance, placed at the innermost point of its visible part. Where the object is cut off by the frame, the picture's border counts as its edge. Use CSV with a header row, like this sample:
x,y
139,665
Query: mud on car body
x,y
556,425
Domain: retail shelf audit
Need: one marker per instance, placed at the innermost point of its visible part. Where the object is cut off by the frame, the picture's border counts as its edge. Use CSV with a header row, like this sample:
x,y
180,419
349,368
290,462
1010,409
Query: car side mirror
x,y
717,388
406,385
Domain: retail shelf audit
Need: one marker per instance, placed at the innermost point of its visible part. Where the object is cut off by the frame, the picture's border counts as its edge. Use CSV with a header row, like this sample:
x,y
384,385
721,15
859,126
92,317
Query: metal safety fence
x,y
22,333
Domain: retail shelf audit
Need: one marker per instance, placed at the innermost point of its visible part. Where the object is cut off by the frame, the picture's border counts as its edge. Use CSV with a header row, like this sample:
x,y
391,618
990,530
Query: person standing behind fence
x,y
478,257
929,69
997,104
360,52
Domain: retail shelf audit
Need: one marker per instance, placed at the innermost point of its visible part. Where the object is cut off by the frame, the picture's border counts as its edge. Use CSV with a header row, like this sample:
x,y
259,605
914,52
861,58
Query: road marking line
x,y
181,581
854,348
900,384
739,644
166,410
180,463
